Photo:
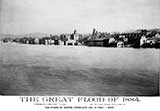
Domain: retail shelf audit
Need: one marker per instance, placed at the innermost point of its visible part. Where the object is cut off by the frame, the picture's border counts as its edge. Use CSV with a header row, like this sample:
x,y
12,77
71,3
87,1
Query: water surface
x,y
82,71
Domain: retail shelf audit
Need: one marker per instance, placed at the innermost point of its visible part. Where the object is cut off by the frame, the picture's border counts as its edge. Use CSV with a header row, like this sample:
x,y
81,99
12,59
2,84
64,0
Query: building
x,y
157,35
147,42
36,41
120,44
71,39
143,40
112,42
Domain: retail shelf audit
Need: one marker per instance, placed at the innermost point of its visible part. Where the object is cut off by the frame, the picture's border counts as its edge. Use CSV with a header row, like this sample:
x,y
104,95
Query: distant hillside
x,y
139,30
9,36
37,35
155,29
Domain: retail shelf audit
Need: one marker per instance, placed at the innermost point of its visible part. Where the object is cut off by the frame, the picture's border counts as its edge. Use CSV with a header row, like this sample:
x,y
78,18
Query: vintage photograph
x,y
79,47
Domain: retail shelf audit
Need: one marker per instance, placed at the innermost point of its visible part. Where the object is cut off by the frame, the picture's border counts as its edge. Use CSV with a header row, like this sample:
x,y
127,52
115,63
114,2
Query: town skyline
x,y
61,16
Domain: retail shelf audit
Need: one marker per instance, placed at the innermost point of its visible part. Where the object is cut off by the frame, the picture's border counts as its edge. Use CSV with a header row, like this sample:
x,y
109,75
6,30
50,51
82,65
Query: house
x,y
56,39
44,40
157,35
29,40
120,44
63,39
112,42
157,40
143,40
147,42
36,41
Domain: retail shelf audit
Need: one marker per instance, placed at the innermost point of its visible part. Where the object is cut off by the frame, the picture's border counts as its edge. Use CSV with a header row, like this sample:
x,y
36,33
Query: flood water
x,y
78,70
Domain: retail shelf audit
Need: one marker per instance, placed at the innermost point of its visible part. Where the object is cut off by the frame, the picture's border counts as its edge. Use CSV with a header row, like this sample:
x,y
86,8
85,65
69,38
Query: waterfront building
x,y
30,40
143,40
157,40
120,44
112,40
157,35
44,40
71,42
147,42
36,41
72,39
64,38
27,41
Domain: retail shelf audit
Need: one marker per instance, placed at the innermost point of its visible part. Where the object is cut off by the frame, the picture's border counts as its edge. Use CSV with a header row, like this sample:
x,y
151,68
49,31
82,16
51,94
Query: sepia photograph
x,y
79,47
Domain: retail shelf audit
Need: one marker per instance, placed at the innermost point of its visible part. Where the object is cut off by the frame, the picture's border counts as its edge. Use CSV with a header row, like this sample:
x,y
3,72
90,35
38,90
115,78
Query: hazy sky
x,y
58,16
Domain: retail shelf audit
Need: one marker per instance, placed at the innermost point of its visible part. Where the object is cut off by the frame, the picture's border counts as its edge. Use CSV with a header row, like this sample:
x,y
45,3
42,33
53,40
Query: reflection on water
x,y
62,70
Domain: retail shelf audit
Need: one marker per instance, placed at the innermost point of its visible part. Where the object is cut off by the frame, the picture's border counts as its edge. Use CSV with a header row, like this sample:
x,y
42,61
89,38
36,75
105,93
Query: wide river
x,y
78,70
